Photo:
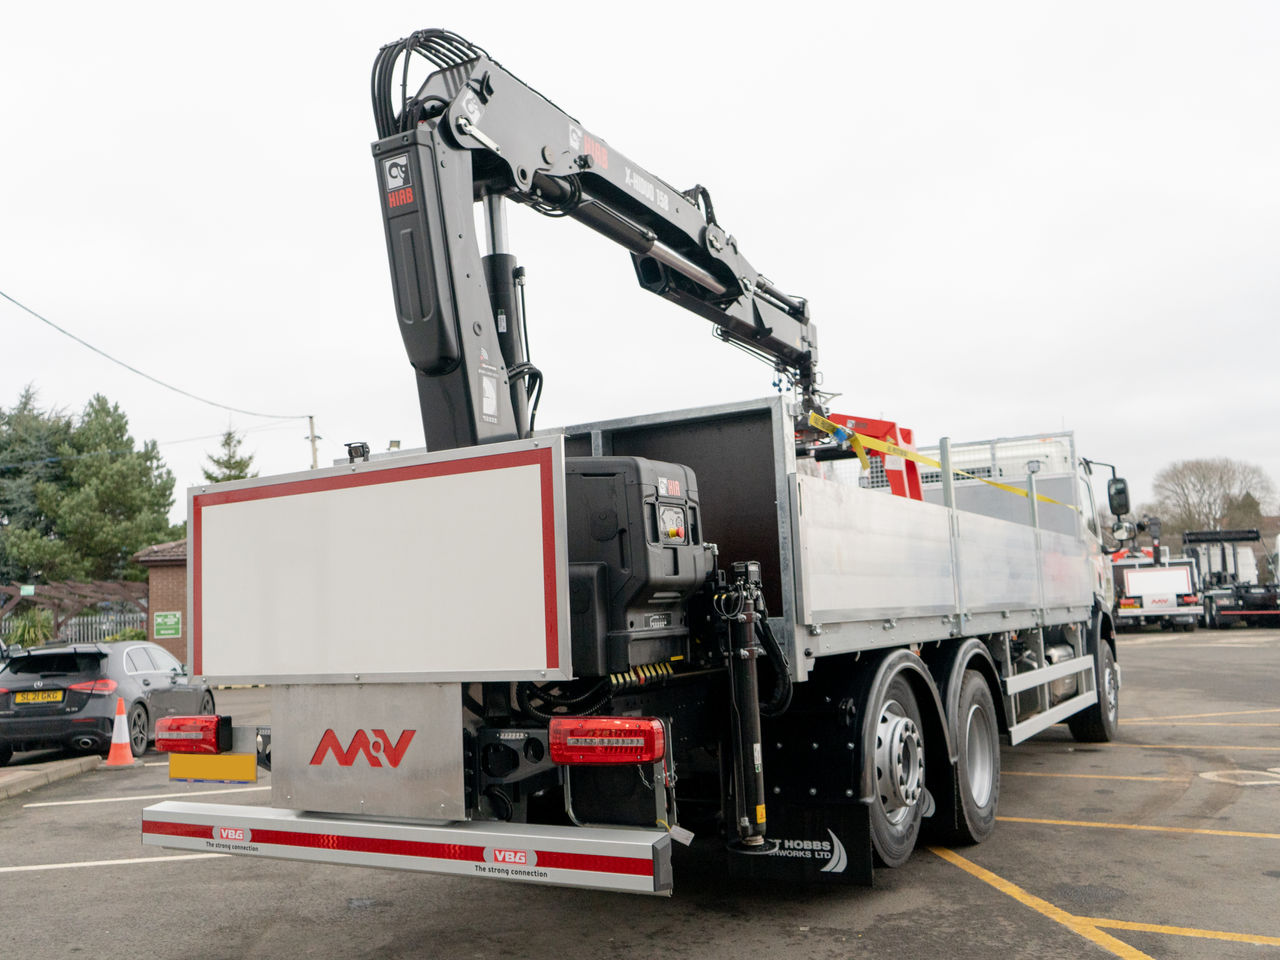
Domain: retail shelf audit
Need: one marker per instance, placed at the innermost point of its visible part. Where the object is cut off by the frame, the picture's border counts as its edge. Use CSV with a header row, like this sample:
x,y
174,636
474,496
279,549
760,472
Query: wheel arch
x,y
948,664
939,752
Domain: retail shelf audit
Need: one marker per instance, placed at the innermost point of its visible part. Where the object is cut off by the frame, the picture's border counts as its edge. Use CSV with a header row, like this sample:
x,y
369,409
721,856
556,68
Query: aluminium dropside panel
x,y
848,568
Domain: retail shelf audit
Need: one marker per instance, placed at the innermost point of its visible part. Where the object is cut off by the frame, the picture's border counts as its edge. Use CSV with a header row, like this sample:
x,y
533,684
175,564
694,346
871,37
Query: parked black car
x,y
64,695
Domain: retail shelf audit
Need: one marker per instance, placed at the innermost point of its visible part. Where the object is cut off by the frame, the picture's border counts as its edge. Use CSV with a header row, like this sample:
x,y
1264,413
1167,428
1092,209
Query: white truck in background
x,y
1159,591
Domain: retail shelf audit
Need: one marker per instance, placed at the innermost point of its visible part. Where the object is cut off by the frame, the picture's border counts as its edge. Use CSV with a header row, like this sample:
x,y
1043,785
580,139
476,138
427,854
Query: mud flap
x,y
817,843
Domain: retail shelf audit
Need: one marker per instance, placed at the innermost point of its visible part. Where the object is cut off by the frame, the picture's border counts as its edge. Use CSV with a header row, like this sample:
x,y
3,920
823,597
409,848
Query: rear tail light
x,y
1128,601
1188,598
607,740
95,688
207,734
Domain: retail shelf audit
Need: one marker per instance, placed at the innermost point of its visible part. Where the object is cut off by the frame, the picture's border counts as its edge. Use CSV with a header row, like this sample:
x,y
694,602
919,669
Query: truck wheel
x,y
1211,615
899,770
6,754
978,764
1098,724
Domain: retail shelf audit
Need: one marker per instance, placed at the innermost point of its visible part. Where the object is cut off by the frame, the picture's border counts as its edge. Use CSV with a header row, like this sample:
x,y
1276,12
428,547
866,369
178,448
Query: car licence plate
x,y
38,696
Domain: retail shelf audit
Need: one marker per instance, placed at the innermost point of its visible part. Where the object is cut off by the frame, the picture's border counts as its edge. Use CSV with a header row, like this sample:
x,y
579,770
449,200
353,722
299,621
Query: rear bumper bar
x,y
625,859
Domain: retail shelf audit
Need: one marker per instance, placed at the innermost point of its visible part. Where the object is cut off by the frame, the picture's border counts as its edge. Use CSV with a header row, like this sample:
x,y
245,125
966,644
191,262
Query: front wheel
x,y
6,754
1098,724
899,774
978,762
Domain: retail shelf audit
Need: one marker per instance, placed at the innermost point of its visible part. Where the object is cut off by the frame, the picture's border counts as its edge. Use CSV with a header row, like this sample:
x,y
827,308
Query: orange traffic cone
x,y
120,755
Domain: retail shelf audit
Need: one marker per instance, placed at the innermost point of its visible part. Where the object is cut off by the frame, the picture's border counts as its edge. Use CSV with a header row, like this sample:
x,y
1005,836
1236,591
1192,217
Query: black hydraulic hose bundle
x,y
780,700
442,48
595,699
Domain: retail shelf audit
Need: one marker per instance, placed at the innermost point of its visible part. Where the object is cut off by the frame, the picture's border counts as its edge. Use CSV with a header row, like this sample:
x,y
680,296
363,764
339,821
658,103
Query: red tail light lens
x,y
1189,598
607,740
95,688
207,734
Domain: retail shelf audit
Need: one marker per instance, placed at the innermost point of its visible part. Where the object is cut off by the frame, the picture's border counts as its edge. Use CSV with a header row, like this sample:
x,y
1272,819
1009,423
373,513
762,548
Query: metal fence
x,y
90,628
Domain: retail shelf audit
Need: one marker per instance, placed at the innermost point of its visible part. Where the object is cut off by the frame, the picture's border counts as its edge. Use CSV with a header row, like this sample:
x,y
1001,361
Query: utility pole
x,y
311,424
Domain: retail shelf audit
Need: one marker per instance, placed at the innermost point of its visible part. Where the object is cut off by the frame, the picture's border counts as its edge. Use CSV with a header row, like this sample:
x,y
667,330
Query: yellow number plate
x,y
38,696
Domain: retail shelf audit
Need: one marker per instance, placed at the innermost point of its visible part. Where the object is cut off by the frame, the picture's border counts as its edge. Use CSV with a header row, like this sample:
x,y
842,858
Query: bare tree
x,y
1217,493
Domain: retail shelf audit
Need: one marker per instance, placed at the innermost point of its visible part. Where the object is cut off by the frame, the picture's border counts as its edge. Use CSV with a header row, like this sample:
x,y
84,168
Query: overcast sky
x,y
1008,217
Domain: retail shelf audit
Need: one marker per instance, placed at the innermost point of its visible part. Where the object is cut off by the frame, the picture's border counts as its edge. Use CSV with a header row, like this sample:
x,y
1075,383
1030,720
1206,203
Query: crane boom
x,y
473,132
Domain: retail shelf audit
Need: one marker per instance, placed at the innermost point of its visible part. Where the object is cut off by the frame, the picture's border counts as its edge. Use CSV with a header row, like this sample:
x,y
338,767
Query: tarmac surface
x,y
1163,844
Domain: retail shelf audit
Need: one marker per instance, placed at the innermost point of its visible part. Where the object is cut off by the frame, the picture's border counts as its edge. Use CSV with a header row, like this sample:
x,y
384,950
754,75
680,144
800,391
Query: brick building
x,y
167,617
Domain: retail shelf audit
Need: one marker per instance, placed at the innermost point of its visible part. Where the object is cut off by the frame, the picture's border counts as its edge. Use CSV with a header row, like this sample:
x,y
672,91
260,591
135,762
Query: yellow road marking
x,y
1073,923
1201,716
1144,827
1183,931
1190,746
1093,776
1201,723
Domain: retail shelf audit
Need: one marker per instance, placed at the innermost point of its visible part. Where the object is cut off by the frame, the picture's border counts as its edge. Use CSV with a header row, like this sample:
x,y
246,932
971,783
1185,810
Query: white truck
x,y
1164,592
574,647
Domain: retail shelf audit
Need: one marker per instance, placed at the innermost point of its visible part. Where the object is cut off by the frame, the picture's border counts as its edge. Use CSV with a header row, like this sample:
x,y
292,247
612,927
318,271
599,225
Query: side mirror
x,y
1118,496
1153,527
1122,530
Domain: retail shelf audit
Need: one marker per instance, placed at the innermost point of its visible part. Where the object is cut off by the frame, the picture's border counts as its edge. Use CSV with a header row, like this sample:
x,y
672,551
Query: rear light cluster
x,y
1189,598
1127,602
95,688
593,740
207,734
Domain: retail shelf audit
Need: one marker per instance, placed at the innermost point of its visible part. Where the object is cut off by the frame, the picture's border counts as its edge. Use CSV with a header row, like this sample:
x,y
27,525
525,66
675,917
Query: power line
x,y
167,386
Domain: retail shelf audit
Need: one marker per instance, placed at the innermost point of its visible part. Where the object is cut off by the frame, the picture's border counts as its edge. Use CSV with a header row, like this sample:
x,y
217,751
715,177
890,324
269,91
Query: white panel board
x,y
1146,581
436,567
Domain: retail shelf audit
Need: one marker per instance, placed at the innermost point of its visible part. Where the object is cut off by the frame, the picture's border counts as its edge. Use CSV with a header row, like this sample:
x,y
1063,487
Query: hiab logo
x,y
360,743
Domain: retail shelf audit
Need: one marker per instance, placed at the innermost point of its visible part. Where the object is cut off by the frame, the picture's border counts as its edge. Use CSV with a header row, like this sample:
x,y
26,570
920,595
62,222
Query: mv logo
x,y
361,743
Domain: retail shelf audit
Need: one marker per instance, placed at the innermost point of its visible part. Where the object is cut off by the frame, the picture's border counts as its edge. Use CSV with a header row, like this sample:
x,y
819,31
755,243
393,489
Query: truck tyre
x,y
1099,722
1211,615
978,760
899,773
6,754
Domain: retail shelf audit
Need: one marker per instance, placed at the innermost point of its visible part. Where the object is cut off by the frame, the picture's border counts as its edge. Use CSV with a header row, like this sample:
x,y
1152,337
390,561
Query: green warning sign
x,y
27,590
168,626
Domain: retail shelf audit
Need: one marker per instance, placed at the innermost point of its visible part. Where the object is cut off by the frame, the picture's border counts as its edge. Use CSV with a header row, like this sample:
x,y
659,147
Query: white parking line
x,y
142,796
108,863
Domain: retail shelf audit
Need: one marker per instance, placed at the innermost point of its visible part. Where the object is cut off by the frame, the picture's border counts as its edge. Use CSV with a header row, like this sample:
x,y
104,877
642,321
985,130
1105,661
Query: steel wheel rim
x,y
138,729
899,762
979,755
1111,691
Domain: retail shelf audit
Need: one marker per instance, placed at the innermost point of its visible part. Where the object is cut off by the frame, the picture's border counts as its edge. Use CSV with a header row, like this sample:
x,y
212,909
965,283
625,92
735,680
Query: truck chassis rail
x,y
626,859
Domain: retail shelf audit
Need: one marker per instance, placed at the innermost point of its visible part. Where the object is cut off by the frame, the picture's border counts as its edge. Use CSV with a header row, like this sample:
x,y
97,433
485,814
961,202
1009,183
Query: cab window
x,y
1088,509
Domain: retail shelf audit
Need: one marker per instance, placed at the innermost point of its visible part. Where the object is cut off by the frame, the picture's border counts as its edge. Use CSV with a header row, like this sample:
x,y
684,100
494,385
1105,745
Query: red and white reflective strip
x,y
610,858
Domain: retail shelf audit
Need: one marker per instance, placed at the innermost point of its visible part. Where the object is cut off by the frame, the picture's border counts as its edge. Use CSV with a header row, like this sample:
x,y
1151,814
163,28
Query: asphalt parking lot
x,y
1163,844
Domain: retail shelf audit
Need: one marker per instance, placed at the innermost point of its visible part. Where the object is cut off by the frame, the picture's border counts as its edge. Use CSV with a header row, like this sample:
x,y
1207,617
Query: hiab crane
x,y
591,641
